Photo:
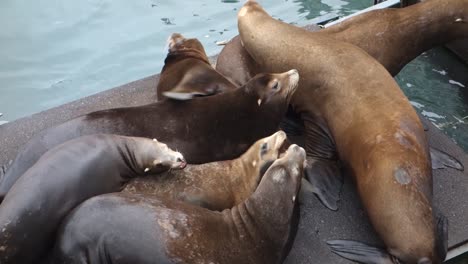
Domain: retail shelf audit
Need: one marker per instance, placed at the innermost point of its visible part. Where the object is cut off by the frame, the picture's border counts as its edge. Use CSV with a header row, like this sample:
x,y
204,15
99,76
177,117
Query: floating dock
x,y
317,224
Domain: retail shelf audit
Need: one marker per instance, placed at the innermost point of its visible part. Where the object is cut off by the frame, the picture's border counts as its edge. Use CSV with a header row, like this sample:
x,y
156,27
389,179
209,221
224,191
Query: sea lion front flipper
x,y
326,179
359,252
442,160
292,124
181,96
442,236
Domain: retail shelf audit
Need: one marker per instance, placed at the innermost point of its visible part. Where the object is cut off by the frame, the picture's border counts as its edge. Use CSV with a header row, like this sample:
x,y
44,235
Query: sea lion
x,y
66,176
205,129
393,36
235,63
396,36
129,228
187,71
215,185
354,112
394,49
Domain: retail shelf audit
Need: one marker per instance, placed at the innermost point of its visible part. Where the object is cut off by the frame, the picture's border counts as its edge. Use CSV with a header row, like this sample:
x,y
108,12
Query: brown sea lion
x,y
354,112
187,71
129,228
393,36
216,185
66,176
205,129
380,34
396,36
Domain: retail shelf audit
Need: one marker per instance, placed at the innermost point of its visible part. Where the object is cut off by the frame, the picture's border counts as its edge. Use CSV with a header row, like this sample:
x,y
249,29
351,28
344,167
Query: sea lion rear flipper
x,y
442,236
325,181
359,252
442,160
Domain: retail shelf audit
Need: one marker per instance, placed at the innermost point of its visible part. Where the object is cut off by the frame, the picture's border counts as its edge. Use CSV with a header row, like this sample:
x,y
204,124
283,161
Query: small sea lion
x,y
355,115
66,176
205,129
216,185
126,228
187,71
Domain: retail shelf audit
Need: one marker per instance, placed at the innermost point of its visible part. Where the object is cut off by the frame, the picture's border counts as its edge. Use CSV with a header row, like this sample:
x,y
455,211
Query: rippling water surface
x,y
53,52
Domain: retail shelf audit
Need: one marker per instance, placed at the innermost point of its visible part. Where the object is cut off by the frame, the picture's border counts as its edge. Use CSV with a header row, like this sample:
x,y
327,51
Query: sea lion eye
x,y
275,86
264,149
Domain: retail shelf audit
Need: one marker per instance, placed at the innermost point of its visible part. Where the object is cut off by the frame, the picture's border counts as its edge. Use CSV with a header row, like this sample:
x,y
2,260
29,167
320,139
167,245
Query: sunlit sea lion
x,y
355,112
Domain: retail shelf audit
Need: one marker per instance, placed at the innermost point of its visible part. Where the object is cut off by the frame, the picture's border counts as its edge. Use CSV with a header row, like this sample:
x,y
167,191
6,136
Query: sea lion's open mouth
x,y
283,148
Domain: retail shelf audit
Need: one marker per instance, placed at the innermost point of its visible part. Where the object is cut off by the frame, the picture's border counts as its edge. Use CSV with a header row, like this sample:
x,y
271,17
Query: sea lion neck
x,y
272,204
140,156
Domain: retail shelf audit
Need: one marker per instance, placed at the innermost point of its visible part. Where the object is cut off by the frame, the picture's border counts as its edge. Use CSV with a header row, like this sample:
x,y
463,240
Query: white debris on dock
x,y
416,104
457,83
441,72
431,114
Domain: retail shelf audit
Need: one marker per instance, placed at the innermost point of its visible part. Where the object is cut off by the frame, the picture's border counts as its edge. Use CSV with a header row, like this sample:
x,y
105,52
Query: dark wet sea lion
x,y
216,185
129,228
205,129
355,112
66,176
187,71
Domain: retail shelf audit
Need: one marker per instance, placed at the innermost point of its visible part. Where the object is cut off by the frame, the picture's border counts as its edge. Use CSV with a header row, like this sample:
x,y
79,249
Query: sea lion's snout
x,y
278,142
289,81
180,162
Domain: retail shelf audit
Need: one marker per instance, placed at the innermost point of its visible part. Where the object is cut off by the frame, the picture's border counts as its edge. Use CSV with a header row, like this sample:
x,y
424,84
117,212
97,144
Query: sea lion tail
x,y
325,180
360,252
442,160
442,236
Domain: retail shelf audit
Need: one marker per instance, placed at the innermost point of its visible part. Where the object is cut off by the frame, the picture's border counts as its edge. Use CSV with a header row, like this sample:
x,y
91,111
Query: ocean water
x,y
53,52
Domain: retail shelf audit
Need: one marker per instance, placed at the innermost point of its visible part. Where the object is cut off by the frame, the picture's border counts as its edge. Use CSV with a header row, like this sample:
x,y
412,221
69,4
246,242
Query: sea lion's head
x,y
263,153
283,178
178,44
160,158
273,86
